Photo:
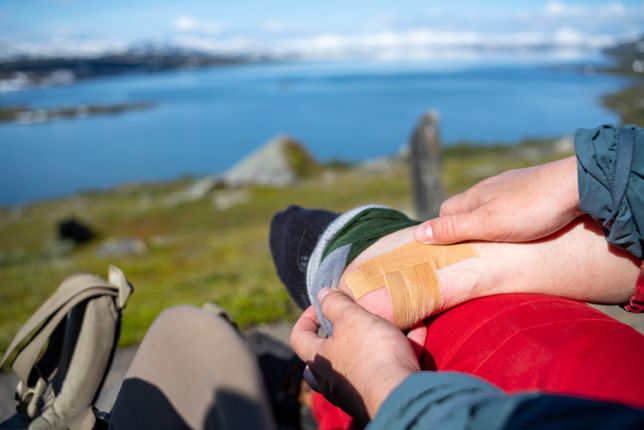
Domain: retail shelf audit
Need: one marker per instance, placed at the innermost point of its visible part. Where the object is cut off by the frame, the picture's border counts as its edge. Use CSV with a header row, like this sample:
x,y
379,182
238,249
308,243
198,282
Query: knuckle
x,y
444,228
332,302
446,209
443,209
447,206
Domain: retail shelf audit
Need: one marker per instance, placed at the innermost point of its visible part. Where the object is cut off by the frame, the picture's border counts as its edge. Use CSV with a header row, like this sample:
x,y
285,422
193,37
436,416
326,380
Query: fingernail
x,y
323,292
429,233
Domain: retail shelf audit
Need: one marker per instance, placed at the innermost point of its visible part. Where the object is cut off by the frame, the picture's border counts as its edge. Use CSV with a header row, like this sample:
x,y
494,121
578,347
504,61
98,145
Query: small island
x,y
27,115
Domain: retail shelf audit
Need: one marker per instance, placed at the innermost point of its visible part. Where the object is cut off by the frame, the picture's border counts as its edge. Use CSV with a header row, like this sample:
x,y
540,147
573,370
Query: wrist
x,y
570,188
460,282
377,389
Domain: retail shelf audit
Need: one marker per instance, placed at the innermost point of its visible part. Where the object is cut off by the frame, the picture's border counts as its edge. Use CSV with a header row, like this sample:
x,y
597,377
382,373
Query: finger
x,y
460,227
416,336
459,203
334,304
304,338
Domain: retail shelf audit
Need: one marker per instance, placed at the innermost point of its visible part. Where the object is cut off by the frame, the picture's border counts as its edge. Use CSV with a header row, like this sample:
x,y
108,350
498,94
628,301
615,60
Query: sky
x,y
323,27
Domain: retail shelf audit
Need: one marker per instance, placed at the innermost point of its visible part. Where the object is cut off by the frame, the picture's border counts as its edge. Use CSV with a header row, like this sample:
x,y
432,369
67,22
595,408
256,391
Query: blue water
x,y
205,120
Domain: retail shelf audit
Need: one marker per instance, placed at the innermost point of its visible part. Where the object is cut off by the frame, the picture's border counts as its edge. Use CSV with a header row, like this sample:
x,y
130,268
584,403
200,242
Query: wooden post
x,y
425,167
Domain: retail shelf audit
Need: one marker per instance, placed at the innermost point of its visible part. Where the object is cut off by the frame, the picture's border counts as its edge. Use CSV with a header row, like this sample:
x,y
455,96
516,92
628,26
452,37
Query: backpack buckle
x,y
29,397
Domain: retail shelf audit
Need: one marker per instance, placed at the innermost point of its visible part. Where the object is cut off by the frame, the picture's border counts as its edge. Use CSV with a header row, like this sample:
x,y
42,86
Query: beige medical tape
x,y
409,274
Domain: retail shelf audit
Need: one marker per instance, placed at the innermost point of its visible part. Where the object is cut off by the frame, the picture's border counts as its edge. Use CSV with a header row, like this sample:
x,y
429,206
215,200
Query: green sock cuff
x,y
366,228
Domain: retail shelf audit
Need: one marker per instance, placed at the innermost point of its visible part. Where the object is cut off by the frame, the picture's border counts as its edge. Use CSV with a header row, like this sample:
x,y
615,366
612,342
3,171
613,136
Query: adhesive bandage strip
x,y
409,274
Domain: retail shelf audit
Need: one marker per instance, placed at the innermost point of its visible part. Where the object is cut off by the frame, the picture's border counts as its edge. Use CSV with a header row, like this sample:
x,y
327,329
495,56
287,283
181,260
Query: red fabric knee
x,y
525,342
522,342
329,416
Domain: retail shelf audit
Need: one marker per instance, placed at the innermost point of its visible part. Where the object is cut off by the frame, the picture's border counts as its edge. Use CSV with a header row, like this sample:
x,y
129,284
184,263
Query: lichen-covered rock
x,y
227,199
121,247
280,162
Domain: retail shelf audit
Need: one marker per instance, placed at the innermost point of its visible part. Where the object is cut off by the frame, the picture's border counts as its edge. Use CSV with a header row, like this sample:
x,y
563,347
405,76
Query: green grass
x,y
628,103
196,252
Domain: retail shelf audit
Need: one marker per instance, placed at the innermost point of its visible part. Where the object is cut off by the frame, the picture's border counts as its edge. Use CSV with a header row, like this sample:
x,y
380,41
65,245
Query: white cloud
x,y
189,24
185,23
558,8
281,28
553,26
612,9
383,45
425,43
228,46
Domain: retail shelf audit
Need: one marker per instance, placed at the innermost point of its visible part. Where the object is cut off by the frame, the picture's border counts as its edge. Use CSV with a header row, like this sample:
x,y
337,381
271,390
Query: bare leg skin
x,y
576,263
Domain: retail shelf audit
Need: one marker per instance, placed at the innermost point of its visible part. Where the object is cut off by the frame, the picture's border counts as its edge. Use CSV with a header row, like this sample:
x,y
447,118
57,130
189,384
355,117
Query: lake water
x,y
203,121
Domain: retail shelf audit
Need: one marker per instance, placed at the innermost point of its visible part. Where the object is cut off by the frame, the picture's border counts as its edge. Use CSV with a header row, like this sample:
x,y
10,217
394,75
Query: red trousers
x,y
523,342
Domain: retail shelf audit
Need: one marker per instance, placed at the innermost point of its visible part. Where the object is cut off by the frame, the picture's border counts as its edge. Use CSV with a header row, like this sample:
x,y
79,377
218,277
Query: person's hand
x,y
364,360
515,206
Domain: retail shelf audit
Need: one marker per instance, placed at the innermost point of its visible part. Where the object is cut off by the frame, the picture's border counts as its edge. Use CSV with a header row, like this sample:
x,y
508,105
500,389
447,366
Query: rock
x,y
280,162
480,171
404,152
197,191
58,248
161,241
425,166
532,153
121,247
382,165
564,145
227,199
202,187
75,230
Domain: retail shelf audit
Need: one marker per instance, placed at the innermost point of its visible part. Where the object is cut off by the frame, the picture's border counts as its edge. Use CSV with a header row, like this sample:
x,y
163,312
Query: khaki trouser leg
x,y
194,370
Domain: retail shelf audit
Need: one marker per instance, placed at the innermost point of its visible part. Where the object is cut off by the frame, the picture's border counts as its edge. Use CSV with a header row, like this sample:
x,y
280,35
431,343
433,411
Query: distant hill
x,y
27,71
628,102
629,58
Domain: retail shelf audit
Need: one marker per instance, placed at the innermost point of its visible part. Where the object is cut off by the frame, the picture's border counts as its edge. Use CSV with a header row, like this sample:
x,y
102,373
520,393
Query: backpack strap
x,y
62,353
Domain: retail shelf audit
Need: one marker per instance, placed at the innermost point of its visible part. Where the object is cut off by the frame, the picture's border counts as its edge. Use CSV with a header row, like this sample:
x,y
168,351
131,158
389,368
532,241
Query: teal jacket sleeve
x,y
455,401
610,169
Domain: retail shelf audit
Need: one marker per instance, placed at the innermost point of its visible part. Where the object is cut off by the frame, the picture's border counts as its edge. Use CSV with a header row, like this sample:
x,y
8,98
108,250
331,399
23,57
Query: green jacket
x,y
455,401
610,168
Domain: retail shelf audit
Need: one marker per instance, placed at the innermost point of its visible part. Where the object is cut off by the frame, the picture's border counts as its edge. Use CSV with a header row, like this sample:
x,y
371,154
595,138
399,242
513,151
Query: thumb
x,y
334,304
452,228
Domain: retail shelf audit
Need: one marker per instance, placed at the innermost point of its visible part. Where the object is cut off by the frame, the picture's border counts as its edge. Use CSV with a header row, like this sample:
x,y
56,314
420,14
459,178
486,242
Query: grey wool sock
x,y
343,240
